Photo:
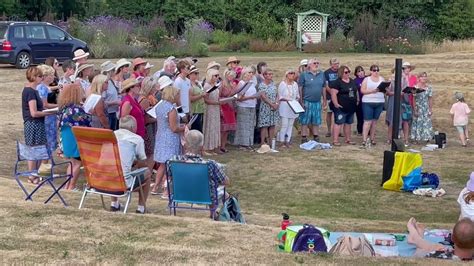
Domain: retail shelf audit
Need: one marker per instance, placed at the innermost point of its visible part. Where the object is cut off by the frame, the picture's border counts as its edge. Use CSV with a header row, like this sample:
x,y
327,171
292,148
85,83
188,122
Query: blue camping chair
x,y
38,153
189,183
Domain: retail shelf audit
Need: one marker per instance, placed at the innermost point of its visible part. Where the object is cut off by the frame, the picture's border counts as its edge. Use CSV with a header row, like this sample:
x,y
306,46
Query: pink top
x,y
412,80
137,113
460,111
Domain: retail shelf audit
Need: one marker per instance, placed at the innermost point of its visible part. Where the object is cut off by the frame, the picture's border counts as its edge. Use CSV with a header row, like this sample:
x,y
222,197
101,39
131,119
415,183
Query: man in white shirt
x,y
183,84
132,155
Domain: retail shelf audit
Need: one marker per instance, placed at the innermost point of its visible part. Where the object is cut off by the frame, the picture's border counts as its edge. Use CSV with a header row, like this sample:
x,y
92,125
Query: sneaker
x,y
328,135
139,212
316,138
115,209
363,145
304,139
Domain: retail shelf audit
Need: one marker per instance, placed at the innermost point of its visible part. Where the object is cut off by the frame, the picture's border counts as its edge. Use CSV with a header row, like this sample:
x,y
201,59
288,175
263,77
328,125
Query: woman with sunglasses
x,y
212,115
372,104
344,98
422,126
359,76
246,118
268,115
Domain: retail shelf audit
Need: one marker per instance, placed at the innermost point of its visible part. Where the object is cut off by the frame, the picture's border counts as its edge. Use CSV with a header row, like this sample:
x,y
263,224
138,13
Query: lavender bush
x,y
196,36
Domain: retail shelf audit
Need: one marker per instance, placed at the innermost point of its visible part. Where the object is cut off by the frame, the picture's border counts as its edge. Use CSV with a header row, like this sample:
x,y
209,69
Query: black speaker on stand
x,y
389,156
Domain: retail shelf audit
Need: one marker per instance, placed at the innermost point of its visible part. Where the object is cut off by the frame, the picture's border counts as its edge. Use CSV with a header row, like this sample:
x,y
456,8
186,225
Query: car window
x,y
55,33
3,30
35,32
18,33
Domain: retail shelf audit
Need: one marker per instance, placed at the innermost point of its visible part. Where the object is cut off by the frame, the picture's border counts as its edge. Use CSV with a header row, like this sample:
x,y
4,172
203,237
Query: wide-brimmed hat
x,y
232,59
213,64
407,64
171,58
138,61
128,83
121,63
264,149
470,183
164,82
304,62
193,69
107,66
190,60
148,65
79,53
84,66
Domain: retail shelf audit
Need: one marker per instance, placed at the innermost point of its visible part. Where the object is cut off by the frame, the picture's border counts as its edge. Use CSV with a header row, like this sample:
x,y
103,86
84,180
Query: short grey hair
x,y
194,141
129,123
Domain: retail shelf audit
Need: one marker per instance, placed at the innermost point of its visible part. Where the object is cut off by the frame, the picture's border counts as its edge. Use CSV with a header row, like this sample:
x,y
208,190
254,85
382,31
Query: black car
x,y
26,43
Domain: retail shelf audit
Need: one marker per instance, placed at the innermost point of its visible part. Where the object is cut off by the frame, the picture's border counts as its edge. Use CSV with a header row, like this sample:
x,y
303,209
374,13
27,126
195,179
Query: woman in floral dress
x,y
71,114
268,115
422,127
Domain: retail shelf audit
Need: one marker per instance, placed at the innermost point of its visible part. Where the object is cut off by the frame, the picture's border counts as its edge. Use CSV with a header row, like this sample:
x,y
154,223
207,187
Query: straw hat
x,y
193,69
407,64
107,66
84,66
470,183
264,149
78,54
213,64
148,65
190,60
122,62
138,61
304,62
129,83
232,59
171,58
164,82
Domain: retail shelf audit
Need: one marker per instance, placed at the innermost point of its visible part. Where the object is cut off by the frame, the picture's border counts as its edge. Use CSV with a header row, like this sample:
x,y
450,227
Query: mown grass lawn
x,y
338,189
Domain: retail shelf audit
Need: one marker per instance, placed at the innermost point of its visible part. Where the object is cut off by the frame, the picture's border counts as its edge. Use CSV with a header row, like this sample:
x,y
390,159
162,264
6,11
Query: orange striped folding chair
x,y
101,159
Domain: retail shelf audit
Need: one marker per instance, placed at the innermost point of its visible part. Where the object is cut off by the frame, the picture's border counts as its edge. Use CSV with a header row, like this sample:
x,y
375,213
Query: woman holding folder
x,y
212,114
372,104
287,91
246,103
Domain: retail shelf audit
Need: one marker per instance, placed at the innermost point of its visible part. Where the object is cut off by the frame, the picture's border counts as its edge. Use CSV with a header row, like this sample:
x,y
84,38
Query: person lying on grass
x,y
194,147
132,154
462,237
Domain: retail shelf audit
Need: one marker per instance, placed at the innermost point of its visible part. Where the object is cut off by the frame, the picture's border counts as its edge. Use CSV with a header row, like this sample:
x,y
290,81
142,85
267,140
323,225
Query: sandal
x,y
33,180
336,144
224,150
350,142
373,143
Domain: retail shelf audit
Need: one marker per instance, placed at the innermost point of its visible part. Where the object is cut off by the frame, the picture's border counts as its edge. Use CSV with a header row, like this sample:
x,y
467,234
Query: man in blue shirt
x,y
312,83
331,76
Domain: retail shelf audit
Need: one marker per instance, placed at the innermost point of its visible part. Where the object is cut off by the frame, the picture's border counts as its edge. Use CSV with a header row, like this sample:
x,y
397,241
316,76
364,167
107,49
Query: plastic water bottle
x,y
273,144
284,224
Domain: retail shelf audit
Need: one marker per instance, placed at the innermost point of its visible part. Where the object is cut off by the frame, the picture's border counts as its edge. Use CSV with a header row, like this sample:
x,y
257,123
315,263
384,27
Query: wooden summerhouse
x,y
311,27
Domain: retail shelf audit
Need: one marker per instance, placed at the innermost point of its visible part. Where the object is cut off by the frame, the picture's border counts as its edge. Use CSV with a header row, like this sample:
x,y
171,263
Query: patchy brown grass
x,y
338,189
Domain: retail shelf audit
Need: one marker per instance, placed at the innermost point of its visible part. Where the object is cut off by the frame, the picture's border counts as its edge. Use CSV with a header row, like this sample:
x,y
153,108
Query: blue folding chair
x,y
189,183
38,153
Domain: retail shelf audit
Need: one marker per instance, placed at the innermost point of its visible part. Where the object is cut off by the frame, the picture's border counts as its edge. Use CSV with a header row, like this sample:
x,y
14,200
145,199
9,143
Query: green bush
x,y
265,26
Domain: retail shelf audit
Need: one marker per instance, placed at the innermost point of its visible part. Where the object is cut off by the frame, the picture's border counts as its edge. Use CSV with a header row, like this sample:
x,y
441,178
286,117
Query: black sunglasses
x,y
375,70
347,72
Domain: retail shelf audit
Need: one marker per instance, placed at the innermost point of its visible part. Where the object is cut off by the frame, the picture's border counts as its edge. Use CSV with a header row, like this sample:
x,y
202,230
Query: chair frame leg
x,y
83,198
129,198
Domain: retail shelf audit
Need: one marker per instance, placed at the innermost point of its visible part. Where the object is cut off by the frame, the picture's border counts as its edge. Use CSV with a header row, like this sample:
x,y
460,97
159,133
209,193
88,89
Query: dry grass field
x,y
337,189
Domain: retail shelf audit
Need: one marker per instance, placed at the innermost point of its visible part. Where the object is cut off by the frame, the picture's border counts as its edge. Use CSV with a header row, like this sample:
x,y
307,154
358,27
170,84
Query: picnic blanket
x,y
402,248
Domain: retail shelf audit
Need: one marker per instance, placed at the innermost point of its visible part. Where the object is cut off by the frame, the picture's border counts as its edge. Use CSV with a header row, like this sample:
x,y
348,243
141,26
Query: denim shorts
x,y
372,111
461,129
341,117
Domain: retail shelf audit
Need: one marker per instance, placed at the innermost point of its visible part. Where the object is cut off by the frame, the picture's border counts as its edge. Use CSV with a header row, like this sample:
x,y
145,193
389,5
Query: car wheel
x,y
23,60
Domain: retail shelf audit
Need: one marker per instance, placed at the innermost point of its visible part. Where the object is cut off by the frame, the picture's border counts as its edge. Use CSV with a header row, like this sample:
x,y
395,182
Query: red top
x,y
137,113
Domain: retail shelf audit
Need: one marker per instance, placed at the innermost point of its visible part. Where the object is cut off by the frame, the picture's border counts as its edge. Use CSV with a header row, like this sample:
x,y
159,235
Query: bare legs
x,y
415,237
369,128
267,134
224,135
76,167
160,178
347,132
